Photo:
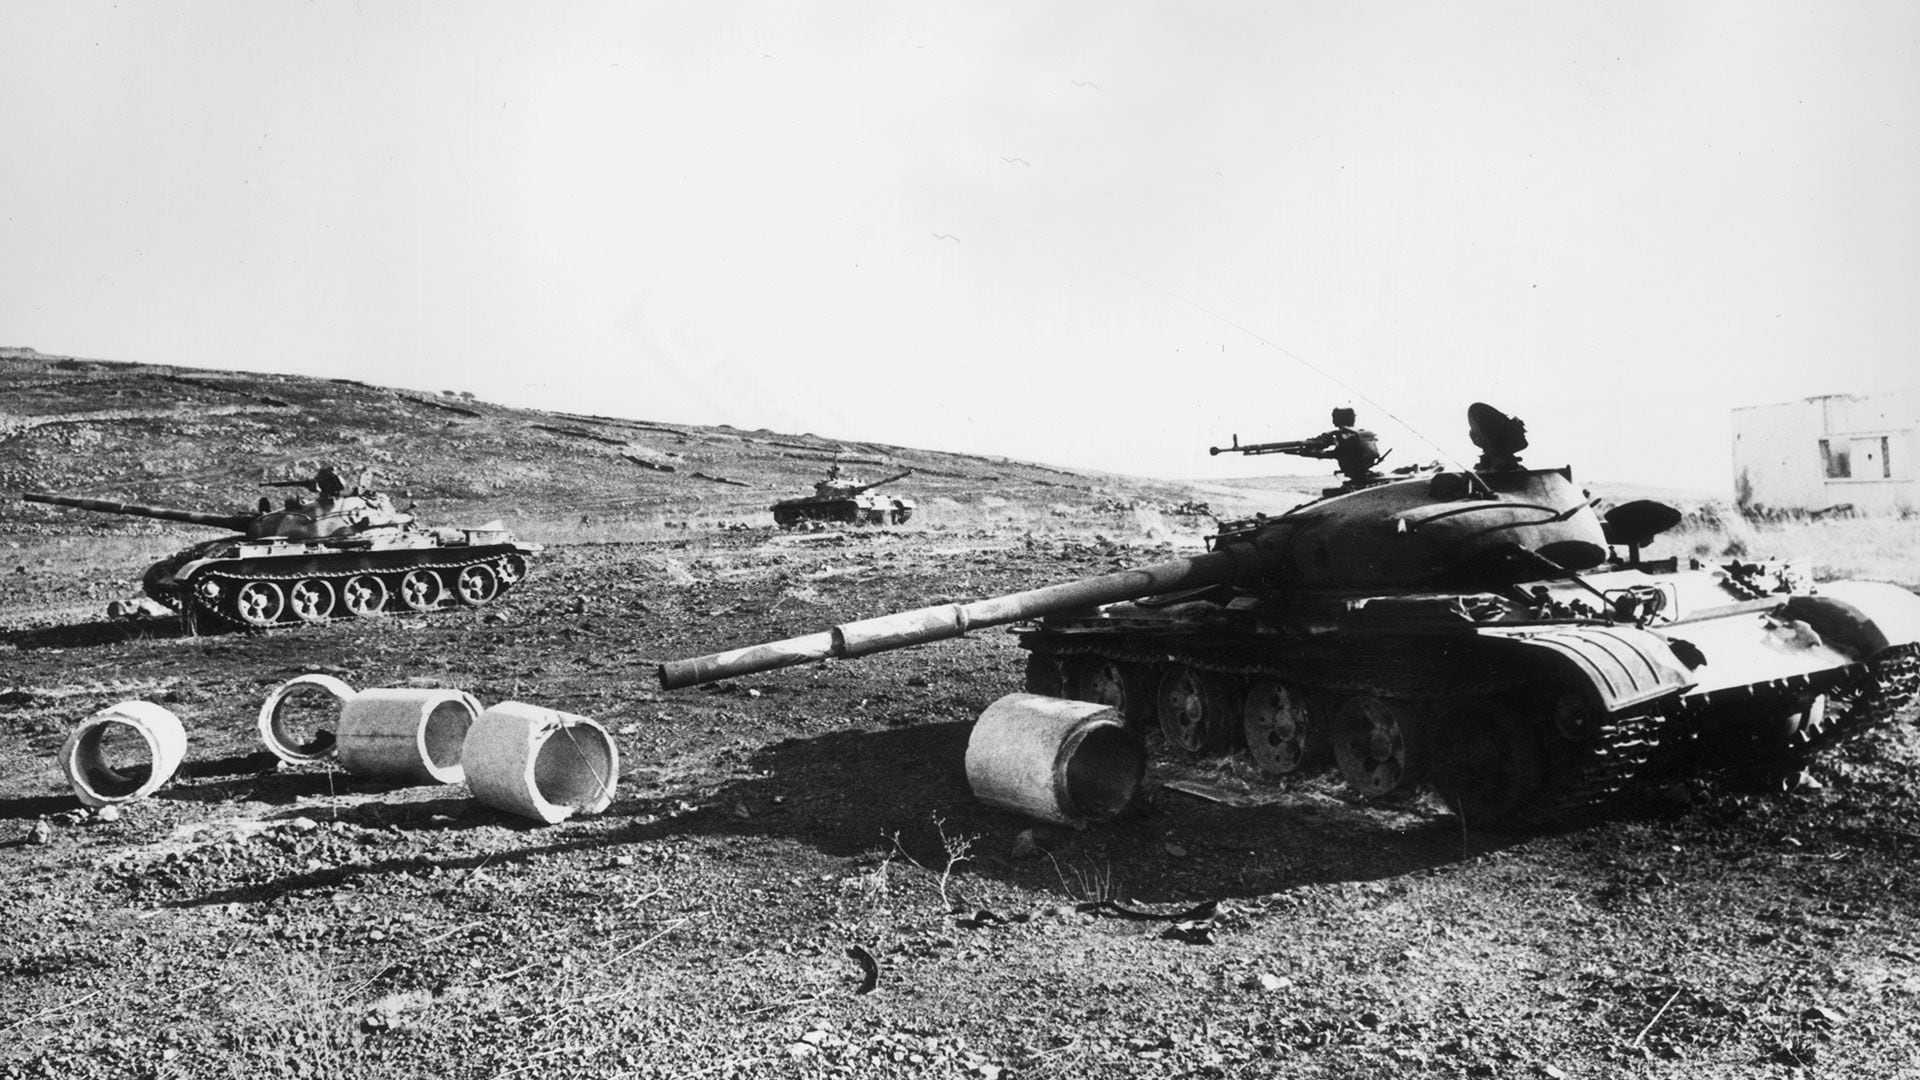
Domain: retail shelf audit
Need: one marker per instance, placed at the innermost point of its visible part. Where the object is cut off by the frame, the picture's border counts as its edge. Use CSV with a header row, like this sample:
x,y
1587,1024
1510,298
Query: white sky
x,y
1168,222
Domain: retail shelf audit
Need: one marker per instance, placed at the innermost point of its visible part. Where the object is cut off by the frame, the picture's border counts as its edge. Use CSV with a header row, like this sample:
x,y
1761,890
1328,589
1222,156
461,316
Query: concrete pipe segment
x,y
278,731
539,763
95,754
1069,762
404,734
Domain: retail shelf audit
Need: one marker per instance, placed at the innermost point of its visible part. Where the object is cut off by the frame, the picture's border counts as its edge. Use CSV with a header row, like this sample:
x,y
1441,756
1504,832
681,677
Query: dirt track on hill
x,y
254,919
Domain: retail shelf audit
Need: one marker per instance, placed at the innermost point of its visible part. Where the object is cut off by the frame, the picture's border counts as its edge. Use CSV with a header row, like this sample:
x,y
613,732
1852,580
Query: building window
x,y
1861,458
1835,459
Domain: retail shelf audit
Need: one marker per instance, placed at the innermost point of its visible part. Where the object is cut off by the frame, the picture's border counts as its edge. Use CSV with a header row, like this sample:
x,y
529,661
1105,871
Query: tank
x,y
1483,633
312,561
844,499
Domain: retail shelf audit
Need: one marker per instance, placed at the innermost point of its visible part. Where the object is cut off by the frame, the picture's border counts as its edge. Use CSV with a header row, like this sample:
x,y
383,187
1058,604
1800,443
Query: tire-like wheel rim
x,y
1194,712
258,603
420,590
1099,680
311,600
1371,744
476,585
1277,727
1128,687
365,596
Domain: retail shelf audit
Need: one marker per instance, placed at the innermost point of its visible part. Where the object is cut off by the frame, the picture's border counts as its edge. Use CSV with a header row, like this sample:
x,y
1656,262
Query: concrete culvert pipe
x,y
296,727
539,763
1069,762
406,734
123,752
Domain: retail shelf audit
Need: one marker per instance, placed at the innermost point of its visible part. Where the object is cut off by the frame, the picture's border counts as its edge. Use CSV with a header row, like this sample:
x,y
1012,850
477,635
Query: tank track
x,y
211,593
1871,696
1857,698
1616,766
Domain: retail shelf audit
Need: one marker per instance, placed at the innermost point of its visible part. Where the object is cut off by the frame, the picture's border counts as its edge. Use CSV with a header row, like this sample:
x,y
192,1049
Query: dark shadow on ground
x,y
84,635
903,793
851,793
36,806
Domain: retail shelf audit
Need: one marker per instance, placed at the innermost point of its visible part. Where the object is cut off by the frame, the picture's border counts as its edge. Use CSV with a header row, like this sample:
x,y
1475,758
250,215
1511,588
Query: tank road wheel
x,y
258,603
1197,710
1129,688
1373,745
420,590
364,596
1280,735
1493,770
1045,675
512,571
311,600
476,584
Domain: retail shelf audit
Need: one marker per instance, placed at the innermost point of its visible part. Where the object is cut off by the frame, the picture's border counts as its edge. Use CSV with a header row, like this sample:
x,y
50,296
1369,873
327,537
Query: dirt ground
x,y
254,919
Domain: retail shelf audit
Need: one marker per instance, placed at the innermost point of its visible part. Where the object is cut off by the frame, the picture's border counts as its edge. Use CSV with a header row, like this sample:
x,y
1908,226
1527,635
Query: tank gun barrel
x,y
1292,446
888,480
236,522
1238,562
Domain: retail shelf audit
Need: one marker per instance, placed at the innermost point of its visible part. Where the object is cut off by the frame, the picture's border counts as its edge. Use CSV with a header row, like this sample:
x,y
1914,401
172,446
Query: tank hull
x,y
859,510
263,585
314,561
1514,723
1476,633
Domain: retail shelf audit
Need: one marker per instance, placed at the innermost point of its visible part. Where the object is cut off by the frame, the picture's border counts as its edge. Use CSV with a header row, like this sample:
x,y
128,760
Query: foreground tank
x,y
1476,631
836,499
345,556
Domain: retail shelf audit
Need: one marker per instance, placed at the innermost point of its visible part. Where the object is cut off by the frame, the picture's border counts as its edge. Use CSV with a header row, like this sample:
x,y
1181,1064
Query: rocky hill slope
x,y
203,439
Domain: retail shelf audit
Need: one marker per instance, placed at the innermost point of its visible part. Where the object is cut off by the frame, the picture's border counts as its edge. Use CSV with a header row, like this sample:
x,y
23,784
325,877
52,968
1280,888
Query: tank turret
x,y
337,555
1477,631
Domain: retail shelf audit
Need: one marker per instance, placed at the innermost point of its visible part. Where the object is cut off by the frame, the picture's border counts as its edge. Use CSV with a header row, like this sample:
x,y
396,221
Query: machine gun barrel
x,y
236,522
1239,562
1293,446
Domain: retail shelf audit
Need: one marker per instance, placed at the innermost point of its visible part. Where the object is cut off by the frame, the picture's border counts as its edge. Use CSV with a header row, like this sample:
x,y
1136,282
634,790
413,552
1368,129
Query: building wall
x,y
1823,452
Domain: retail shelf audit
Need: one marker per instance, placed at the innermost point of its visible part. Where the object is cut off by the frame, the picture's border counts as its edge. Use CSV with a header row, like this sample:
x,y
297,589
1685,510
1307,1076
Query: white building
x,y
1824,452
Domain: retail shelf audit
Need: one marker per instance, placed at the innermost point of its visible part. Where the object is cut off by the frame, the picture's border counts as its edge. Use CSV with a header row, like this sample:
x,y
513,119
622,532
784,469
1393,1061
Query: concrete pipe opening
x,y
540,763
1070,762
406,734
123,752
300,719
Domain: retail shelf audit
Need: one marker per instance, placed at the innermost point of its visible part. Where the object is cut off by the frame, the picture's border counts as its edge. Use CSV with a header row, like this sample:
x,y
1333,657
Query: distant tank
x,y
1483,632
335,556
845,499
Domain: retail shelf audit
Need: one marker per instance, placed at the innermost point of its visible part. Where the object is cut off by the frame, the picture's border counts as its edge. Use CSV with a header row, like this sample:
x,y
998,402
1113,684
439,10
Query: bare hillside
x,y
203,439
